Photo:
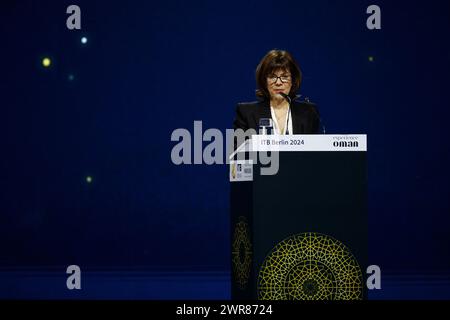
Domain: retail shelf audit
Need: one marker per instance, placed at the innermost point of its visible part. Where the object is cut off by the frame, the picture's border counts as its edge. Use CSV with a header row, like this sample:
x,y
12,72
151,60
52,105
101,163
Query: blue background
x,y
150,67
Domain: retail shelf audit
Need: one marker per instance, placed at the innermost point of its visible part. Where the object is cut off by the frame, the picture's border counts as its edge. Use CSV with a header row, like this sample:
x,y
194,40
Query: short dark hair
x,y
274,60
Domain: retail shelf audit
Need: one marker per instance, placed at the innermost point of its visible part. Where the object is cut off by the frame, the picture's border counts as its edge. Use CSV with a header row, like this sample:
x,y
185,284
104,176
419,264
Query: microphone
x,y
288,99
285,96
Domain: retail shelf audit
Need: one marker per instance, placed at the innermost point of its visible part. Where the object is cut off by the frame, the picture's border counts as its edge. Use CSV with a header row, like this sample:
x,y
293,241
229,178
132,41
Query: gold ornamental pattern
x,y
310,266
241,253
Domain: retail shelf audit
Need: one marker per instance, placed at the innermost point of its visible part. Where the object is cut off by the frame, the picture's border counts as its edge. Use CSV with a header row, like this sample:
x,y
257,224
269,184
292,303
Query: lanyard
x,y
287,120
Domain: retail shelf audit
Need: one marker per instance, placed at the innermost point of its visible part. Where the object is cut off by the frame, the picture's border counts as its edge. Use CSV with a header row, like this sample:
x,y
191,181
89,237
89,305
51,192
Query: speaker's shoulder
x,y
248,107
252,104
304,106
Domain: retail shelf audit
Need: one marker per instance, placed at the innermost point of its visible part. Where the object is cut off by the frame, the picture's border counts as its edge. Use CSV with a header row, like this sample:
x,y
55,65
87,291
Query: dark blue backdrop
x,y
150,67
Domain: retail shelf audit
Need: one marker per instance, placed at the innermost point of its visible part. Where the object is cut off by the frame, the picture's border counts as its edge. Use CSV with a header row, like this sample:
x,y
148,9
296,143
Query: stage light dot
x,y
89,179
46,62
84,40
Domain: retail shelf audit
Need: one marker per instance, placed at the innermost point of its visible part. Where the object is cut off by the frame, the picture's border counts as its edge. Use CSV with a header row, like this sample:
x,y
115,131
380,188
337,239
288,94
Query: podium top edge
x,y
301,143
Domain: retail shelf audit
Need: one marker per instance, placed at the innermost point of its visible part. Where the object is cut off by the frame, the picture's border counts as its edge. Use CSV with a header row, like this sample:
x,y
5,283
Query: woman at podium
x,y
278,78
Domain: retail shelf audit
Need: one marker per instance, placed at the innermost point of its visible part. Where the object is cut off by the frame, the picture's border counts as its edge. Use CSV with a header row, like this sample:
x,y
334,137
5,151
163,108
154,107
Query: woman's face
x,y
279,81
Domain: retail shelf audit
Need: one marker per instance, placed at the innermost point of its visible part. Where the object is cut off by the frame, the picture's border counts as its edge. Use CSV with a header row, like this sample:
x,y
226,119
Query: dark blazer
x,y
305,117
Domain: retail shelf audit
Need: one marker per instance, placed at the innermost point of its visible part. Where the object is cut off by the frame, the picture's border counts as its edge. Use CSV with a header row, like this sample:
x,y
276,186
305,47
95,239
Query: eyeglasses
x,y
273,78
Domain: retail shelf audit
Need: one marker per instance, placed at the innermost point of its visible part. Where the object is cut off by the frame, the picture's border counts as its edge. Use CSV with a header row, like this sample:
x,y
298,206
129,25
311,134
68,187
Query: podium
x,y
300,234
